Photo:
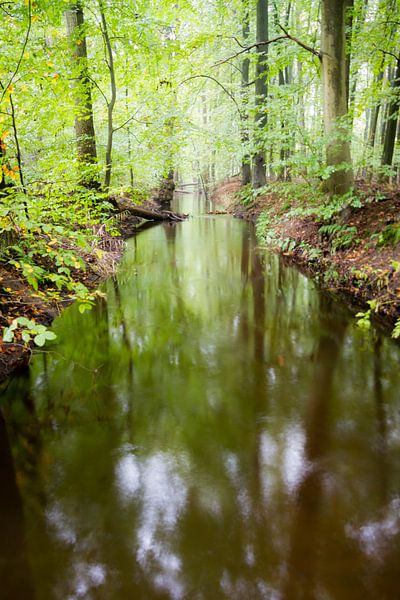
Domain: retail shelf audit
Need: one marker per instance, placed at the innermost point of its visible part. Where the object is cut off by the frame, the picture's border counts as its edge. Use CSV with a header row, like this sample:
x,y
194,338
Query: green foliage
x,y
396,330
263,223
310,252
364,317
340,237
29,330
390,235
247,195
330,276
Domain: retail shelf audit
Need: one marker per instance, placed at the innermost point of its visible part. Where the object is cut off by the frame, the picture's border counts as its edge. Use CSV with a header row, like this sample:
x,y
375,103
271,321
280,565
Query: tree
x,y
84,121
113,94
392,118
261,91
246,160
335,95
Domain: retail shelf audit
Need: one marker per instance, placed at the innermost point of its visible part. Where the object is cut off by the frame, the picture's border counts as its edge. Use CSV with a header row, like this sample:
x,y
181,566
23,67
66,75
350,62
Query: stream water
x,y
216,429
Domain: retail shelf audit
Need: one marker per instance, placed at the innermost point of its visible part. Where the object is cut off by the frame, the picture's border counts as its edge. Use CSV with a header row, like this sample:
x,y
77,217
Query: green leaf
x,y
50,335
84,307
26,337
8,334
40,339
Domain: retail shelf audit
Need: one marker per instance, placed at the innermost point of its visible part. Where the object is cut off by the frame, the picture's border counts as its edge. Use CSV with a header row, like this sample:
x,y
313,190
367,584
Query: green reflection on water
x,y
215,429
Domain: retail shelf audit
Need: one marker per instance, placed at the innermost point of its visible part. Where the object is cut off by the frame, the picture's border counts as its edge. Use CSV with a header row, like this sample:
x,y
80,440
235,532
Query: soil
x,y
361,272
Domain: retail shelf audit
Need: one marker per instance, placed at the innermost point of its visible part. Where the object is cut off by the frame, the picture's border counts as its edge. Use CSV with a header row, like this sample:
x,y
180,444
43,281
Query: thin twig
x,y
22,51
217,82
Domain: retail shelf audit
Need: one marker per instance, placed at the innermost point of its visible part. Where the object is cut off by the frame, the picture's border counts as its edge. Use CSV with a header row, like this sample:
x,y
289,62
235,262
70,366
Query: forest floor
x,y
354,254
19,299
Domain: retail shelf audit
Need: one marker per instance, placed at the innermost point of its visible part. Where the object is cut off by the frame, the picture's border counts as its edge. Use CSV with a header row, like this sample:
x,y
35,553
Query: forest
x,y
199,299
100,99
295,100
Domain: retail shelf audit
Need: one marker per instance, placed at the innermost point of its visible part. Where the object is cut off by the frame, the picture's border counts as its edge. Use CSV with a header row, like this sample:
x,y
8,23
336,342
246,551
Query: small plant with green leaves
x,y
340,237
245,195
312,254
86,299
390,235
396,330
330,276
364,317
29,330
263,224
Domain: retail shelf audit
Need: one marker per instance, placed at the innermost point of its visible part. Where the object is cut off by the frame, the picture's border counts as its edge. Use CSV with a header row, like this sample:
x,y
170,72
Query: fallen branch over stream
x,y
125,204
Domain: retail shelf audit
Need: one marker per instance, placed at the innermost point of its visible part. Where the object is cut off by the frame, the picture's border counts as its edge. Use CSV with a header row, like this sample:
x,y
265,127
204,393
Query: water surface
x,y
215,429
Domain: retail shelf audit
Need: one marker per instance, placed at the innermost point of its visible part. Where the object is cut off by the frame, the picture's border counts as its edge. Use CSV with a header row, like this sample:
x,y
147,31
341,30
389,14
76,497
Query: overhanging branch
x,y
287,36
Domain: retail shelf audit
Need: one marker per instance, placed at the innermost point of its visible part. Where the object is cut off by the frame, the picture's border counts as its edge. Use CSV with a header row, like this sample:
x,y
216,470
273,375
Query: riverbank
x,y
87,267
350,248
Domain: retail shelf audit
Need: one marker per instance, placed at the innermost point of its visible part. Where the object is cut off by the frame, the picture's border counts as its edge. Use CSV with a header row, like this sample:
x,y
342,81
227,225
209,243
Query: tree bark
x,y
246,160
393,114
3,184
84,122
261,90
167,188
111,102
335,94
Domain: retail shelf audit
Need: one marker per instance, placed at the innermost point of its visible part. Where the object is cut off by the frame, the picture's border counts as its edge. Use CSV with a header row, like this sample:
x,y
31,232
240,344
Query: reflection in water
x,y
302,579
15,574
216,429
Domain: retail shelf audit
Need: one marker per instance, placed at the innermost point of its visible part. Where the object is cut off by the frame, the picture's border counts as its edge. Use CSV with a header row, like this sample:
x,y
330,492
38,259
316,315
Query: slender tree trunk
x,y
246,160
392,117
261,89
111,102
349,8
3,184
84,122
334,79
17,146
284,78
375,112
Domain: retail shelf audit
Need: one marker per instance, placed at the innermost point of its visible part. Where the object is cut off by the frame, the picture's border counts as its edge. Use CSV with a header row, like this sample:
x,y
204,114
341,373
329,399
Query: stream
x,y
215,428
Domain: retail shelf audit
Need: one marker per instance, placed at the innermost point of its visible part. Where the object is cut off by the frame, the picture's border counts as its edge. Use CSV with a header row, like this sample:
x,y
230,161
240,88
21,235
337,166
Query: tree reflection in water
x,y
215,430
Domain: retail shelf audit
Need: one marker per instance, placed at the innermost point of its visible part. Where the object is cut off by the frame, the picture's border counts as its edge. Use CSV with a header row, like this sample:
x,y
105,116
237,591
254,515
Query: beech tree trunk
x,y
246,160
113,97
261,89
335,95
84,122
392,117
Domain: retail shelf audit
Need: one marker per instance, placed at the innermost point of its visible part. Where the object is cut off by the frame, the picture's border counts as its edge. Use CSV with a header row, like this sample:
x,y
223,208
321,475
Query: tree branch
x,y
287,36
389,53
28,31
132,118
300,43
217,82
98,87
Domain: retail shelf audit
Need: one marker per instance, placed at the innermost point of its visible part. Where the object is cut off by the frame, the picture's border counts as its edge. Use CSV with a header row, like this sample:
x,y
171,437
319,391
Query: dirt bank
x,y
354,252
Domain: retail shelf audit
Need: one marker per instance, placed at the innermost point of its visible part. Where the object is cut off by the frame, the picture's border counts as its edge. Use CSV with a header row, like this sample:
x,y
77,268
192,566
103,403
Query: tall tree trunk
x,y
375,112
334,80
84,122
392,117
349,10
246,160
261,89
113,97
